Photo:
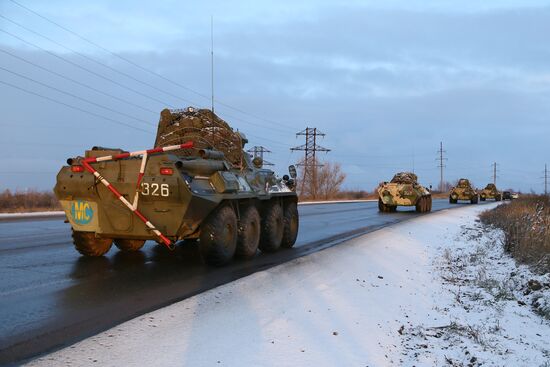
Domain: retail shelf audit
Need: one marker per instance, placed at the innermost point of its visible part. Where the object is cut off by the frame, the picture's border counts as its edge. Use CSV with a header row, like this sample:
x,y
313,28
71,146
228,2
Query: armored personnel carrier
x,y
463,191
196,184
404,190
490,192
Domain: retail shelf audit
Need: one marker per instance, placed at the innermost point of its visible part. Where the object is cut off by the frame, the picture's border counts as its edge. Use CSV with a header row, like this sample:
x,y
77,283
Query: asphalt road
x,y
51,297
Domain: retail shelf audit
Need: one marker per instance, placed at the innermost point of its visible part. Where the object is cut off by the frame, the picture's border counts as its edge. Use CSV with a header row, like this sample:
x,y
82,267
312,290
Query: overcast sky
x,y
385,80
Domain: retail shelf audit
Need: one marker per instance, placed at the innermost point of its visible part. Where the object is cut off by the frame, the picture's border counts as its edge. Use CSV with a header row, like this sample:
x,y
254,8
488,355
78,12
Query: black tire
x,y
474,200
128,245
218,236
385,208
291,223
421,205
248,236
429,203
89,245
452,201
272,228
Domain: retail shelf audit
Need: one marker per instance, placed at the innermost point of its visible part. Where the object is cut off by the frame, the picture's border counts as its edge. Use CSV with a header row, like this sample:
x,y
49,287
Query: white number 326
x,y
154,189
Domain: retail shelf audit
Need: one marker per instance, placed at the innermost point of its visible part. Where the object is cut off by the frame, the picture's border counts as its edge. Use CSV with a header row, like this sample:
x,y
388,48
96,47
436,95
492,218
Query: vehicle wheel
x,y
452,201
498,198
421,205
218,236
482,199
291,223
124,244
474,200
89,245
429,203
384,208
392,208
248,236
272,228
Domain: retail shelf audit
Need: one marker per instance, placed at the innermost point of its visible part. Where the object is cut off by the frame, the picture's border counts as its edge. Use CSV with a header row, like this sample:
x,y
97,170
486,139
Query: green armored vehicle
x,y
463,191
196,184
404,190
490,192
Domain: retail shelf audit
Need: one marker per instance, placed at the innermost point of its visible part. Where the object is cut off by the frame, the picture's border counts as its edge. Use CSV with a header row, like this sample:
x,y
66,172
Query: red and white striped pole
x,y
86,162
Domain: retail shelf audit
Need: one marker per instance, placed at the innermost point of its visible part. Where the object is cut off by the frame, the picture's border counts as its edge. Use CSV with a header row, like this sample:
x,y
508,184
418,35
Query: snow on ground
x,y
432,291
31,215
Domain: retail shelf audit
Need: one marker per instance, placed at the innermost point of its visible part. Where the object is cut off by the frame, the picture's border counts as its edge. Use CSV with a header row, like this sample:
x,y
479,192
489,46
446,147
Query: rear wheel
x,y
124,244
272,228
291,224
452,201
474,200
248,237
218,236
429,199
89,245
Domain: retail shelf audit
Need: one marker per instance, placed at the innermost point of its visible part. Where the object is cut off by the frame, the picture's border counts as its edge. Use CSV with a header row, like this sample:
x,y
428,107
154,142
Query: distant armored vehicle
x,y
404,190
197,183
506,195
463,191
490,192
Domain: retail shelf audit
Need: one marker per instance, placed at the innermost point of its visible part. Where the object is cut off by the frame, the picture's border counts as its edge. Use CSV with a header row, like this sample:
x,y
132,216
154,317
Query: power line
x,y
142,67
74,107
87,70
78,83
75,96
98,62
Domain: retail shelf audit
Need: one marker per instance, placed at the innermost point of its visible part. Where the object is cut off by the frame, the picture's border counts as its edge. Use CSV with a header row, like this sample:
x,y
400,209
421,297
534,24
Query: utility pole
x,y
309,163
545,180
441,165
258,151
495,173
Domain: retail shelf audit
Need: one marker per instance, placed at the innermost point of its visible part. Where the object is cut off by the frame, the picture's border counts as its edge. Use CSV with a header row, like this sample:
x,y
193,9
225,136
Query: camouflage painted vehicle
x,y
210,191
463,191
490,192
404,190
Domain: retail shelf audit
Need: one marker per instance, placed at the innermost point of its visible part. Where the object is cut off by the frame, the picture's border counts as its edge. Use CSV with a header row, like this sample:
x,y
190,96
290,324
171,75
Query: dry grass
x,y
526,225
27,201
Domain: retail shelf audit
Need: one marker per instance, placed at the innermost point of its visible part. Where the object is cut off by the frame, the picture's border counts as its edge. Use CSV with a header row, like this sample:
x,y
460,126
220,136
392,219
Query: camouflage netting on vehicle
x,y
463,183
404,178
490,187
204,129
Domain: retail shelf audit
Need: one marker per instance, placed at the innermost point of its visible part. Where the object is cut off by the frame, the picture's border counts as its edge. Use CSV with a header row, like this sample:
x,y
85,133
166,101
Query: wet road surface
x,y
51,297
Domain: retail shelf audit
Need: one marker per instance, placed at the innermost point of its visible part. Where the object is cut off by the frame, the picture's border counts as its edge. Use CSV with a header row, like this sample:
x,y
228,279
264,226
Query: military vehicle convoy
x,y
463,191
403,190
490,192
196,184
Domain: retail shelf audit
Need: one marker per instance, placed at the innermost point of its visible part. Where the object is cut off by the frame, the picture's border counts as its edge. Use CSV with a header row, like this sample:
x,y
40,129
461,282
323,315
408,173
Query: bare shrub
x,y
28,200
526,225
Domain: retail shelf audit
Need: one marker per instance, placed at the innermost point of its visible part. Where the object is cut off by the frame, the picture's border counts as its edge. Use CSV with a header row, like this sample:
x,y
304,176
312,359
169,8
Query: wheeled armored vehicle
x,y
404,190
196,184
490,192
463,191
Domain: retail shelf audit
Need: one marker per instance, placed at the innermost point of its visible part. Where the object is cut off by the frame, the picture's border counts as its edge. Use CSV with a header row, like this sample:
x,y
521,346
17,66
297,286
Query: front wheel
x,y
291,224
89,245
218,236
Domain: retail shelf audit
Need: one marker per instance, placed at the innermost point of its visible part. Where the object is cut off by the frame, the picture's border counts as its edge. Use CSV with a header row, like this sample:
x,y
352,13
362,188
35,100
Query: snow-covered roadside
x,y
397,296
31,215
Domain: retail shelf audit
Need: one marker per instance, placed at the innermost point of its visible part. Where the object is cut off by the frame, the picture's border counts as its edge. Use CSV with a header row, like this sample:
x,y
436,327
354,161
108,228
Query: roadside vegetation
x,y
526,225
27,201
